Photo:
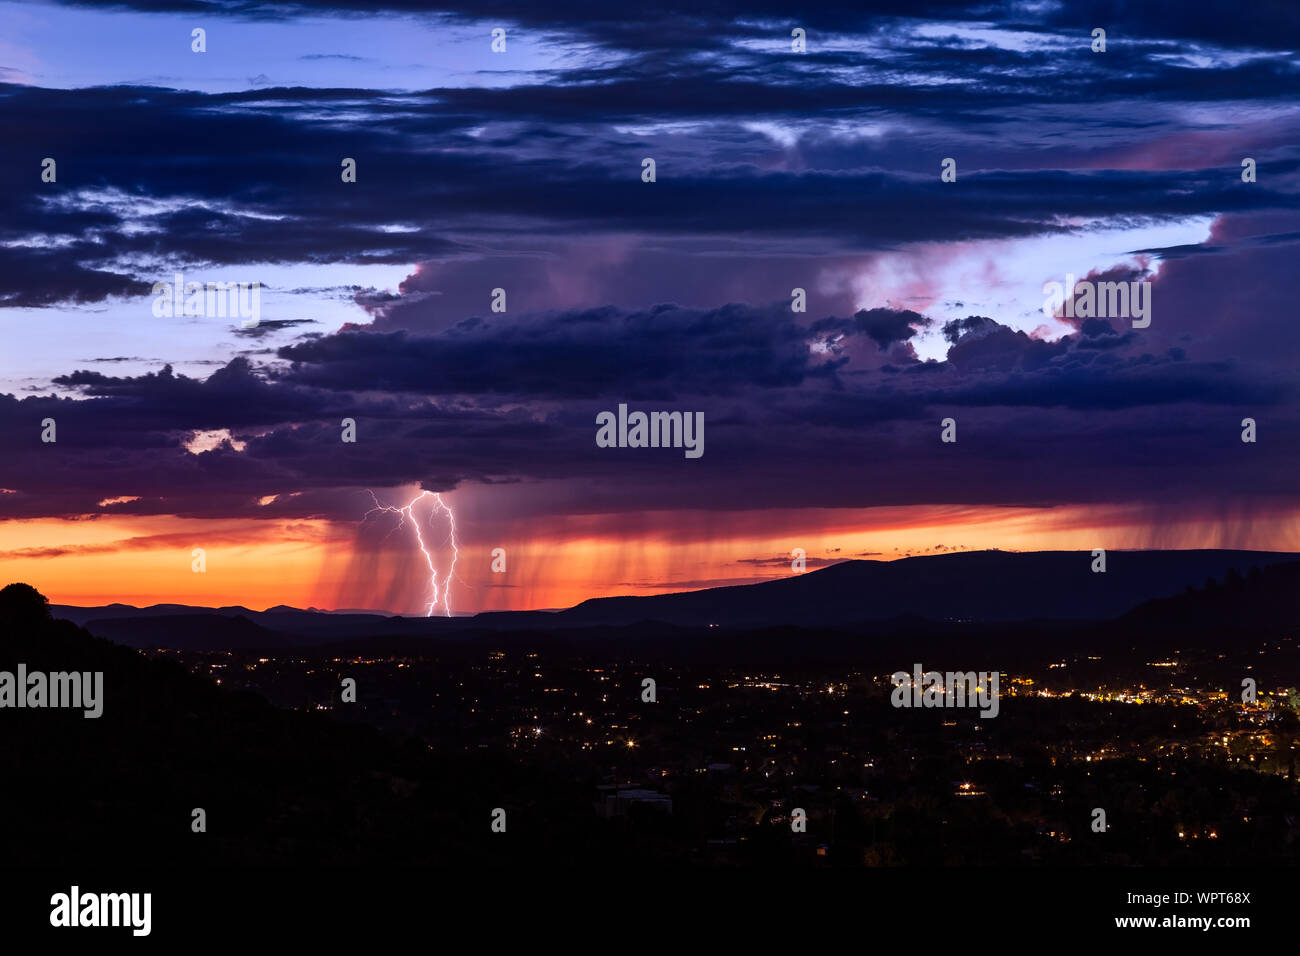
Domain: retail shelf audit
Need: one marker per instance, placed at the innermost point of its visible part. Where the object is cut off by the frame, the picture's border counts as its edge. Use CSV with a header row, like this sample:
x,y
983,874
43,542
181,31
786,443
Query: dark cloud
x,y
123,210
887,326
976,324
660,352
1271,24
772,169
35,278
466,406
265,327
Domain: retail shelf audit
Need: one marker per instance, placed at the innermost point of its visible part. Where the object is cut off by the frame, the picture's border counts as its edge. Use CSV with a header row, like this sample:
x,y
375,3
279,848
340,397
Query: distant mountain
x,y
982,587
341,610
80,615
211,629
977,586
1267,598
190,632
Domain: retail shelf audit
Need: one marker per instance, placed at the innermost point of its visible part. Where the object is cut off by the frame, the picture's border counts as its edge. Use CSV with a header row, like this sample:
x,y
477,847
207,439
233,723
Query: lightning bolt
x,y
407,513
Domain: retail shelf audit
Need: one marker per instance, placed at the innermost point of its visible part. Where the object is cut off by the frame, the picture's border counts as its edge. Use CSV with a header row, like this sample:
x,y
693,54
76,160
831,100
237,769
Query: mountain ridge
x,y
984,587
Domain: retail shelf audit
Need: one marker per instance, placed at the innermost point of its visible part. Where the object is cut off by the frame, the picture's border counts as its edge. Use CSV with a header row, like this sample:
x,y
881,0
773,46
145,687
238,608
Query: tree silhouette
x,y
22,604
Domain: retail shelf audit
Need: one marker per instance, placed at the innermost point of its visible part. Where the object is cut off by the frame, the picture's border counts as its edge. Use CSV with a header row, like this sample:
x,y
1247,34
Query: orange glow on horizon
x,y
552,561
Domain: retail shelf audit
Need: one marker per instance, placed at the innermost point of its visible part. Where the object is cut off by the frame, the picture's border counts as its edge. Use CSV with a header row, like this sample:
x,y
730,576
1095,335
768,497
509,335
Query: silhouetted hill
x,y
80,615
1259,599
190,632
980,587
316,788
278,786
198,628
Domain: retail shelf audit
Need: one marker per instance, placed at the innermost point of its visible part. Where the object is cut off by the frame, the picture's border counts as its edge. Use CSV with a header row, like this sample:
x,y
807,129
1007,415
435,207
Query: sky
x,y
522,169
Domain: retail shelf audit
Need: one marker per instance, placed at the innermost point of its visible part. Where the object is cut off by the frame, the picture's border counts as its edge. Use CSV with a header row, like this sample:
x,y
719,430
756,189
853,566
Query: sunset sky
x,y
522,170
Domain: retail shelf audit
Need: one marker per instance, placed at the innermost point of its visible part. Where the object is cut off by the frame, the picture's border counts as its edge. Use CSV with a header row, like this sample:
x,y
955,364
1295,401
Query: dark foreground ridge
x,y
278,785
551,726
